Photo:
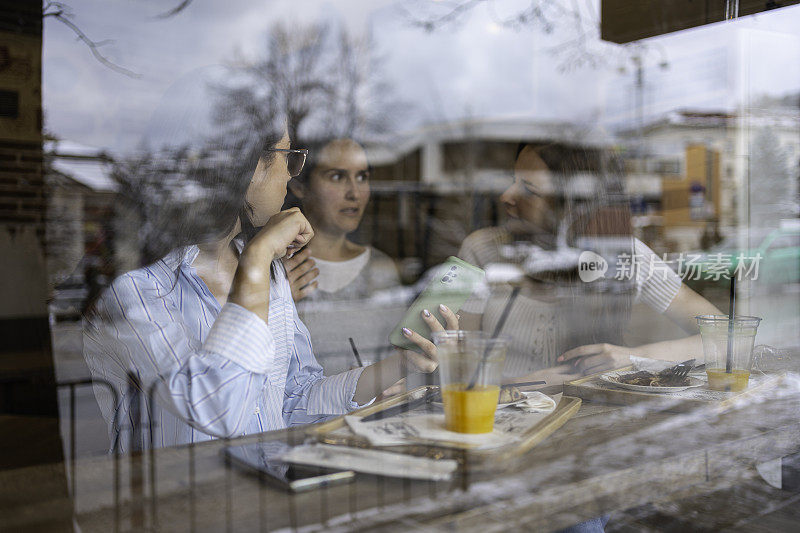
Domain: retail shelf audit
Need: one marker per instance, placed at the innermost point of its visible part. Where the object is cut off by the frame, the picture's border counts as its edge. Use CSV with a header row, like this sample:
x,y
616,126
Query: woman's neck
x,y
214,251
333,246
216,265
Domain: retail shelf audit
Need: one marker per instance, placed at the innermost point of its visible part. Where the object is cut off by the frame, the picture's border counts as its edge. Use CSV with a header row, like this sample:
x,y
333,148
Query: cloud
x,y
471,68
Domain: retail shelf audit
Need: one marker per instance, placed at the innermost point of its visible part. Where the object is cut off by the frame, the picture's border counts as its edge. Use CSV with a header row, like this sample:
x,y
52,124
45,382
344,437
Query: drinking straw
x,y
355,352
731,317
497,329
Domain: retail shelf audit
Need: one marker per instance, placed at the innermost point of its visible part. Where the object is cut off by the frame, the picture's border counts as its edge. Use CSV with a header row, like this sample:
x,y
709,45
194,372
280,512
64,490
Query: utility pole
x,y
639,102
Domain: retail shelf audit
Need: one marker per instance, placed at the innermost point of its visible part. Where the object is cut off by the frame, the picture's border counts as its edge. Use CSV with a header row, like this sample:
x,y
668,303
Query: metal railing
x,y
71,461
71,386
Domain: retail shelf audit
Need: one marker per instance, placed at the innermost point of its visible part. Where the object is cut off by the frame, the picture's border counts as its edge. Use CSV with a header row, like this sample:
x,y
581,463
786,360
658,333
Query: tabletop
x,y
605,458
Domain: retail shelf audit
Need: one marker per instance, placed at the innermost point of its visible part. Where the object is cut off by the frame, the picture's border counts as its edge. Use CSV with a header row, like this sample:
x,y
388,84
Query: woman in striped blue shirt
x,y
211,327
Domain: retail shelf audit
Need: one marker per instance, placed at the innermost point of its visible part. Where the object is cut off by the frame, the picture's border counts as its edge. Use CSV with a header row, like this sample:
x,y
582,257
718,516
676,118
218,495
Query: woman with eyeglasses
x,y
208,325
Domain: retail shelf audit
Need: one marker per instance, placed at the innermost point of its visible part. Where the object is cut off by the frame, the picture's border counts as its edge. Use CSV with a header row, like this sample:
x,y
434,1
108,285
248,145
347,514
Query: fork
x,y
681,370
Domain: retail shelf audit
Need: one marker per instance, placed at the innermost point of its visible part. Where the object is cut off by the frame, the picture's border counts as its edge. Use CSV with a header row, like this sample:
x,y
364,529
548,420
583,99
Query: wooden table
x,y
604,459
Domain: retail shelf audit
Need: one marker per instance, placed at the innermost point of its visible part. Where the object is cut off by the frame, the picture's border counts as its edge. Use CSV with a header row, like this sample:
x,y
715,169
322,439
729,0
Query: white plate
x,y
502,405
613,377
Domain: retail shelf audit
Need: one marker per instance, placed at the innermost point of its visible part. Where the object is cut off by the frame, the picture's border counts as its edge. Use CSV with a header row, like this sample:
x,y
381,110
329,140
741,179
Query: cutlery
x,y
429,397
681,370
523,384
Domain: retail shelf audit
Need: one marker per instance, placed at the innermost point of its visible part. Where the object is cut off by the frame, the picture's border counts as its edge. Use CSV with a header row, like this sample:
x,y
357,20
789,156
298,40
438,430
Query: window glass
x,y
214,214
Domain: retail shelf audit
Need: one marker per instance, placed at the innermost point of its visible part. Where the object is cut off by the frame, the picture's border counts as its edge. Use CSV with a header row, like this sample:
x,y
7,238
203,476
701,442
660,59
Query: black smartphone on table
x,y
263,459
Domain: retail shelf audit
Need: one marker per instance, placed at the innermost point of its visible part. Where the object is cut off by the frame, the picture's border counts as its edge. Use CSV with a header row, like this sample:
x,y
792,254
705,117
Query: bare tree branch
x,y
454,14
62,13
326,83
175,10
584,50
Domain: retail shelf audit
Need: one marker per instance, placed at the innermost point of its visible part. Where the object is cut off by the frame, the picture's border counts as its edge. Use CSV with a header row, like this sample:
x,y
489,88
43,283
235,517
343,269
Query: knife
x,y
429,396
523,384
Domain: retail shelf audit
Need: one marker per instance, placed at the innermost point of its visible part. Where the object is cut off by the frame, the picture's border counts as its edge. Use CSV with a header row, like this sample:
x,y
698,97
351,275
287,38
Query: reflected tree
x,y
327,83
771,197
583,48
364,101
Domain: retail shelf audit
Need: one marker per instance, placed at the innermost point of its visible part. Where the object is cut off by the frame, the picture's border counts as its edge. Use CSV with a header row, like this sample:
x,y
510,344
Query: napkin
x,y
406,429
537,402
376,462
510,425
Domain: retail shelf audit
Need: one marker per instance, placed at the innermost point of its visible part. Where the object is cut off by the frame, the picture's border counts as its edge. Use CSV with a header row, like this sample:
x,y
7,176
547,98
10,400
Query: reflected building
x,y
434,186
692,177
22,192
29,415
80,200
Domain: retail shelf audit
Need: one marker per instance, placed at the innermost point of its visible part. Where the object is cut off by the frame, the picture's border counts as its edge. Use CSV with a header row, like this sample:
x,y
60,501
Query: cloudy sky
x,y
474,67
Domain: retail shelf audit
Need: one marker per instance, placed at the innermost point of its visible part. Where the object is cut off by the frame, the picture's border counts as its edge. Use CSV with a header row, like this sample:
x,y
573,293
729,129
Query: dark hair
x,y
183,197
193,188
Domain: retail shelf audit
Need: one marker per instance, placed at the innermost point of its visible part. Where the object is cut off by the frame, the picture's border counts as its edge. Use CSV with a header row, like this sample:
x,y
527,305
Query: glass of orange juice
x,y
470,370
719,338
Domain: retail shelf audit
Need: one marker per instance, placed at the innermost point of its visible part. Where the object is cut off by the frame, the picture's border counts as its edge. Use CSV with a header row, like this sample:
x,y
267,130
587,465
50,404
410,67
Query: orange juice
x,y
734,381
470,411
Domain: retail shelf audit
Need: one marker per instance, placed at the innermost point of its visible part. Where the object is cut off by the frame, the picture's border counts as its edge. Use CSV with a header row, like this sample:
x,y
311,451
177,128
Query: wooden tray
x,y
593,388
328,433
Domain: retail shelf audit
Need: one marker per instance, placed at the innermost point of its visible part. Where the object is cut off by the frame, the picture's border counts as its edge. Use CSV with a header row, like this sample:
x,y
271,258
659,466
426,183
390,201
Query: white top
x,y
545,321
354,299
655,283
336,275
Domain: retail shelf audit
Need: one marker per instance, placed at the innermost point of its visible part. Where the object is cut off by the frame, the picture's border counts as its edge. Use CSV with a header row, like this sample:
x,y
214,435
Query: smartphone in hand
x,y
452,284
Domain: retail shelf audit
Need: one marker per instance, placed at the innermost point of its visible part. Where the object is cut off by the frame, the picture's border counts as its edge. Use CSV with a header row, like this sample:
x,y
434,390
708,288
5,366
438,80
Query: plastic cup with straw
x,y
470,371
728,346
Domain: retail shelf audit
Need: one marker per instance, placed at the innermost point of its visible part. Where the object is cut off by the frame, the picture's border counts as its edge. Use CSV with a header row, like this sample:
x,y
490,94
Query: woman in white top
x,y
334,279
561,327
333,193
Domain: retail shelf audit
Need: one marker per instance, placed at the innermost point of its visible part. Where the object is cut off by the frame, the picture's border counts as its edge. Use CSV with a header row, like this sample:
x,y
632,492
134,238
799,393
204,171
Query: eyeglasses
x,y
295,159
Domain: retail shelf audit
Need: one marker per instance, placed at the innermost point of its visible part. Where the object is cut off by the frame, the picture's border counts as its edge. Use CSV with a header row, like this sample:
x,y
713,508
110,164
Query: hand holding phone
x,y
452,284
424,359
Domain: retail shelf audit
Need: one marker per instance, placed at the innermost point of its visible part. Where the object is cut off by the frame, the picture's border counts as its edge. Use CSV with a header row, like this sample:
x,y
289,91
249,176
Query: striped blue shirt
x,y
217,371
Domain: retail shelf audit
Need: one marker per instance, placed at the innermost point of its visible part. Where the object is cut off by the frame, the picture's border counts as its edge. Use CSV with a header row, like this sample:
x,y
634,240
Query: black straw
x,y
506,310
497,329
731,318
355,352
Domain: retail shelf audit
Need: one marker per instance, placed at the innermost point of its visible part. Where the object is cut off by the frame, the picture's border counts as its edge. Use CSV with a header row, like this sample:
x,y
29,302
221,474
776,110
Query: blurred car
x,y
67,300
777,253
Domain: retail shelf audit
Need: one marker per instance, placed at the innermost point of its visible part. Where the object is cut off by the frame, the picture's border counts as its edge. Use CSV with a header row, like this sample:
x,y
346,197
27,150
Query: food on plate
x,y
665,378
510,394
